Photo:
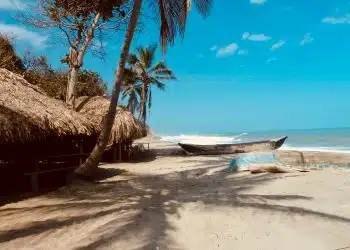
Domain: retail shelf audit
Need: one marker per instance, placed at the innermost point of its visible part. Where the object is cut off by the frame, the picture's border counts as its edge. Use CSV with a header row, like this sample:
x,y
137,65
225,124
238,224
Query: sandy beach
x,y
176,202
117,133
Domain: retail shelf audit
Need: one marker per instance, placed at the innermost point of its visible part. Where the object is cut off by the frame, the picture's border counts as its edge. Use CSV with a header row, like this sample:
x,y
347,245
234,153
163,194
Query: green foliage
x,y
143,73
8,57
131,90
90,84
54,82
38,71
83,8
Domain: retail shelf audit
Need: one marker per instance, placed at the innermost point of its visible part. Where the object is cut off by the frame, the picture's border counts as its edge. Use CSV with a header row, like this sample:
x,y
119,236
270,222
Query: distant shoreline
x,y
341,159
328,140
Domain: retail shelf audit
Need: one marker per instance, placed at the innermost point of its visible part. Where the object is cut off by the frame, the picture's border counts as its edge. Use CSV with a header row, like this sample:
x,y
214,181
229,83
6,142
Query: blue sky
x,y
251,65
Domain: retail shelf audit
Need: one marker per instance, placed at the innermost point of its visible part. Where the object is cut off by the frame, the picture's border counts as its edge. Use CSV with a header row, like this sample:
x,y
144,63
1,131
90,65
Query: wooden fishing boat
x,y
218,149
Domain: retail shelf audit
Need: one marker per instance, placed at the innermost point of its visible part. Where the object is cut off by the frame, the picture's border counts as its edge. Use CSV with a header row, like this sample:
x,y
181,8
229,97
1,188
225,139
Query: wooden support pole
x,y
120,151
34,180
81,152
115,152
302,158
129,150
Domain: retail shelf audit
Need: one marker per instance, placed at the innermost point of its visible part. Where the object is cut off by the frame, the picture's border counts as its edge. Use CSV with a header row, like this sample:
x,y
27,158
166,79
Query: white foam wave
x,y
316,149
203,139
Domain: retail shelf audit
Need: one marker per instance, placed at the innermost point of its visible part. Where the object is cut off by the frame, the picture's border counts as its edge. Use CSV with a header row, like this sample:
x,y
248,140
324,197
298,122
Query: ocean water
x,y
325,140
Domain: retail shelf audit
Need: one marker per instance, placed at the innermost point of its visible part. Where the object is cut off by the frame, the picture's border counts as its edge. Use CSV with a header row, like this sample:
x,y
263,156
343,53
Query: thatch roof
x,y
125,126
26,113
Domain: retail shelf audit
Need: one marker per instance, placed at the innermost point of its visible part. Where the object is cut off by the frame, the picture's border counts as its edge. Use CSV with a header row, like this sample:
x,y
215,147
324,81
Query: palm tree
x,y
131,90
148,74
172,15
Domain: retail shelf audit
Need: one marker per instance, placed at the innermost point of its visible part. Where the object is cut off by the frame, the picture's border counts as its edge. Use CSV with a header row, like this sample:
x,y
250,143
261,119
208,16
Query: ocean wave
x,y
316,149
203,139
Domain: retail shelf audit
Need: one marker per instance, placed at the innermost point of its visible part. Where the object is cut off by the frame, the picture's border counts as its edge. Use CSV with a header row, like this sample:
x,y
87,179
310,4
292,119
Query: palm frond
x,y
202,6
173,16
165,74
161,70
165,77
131,59
159,66
146,55
158,84
133,102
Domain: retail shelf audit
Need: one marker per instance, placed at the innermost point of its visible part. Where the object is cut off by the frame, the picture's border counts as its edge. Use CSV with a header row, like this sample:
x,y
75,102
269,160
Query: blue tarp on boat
x,y
243,161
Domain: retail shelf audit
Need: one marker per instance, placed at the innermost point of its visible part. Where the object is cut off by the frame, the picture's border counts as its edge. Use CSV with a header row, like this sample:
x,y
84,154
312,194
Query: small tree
x,y
53,82
90,84
79,21
8,57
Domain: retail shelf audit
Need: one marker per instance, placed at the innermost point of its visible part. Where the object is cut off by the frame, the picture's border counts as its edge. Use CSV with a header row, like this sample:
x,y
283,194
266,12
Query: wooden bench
x,y
34,175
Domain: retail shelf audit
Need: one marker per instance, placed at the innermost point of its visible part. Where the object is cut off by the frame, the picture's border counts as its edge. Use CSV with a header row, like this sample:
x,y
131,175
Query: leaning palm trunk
x,y
92,161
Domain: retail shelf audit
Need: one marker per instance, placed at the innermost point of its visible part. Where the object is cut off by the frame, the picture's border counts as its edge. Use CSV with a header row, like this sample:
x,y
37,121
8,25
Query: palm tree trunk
x,y
144,111
142,104
91,163
73,79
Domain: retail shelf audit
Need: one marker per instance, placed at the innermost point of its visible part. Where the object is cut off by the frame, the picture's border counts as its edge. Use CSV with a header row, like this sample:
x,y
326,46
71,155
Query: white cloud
x,y
228,50
12,5
245,35
272,59
337,20
307,39
255,37
22,34
214,48
242,52
277,45
257,1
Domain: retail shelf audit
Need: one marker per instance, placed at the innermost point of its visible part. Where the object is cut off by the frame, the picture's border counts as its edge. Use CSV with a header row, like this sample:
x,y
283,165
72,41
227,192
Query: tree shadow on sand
x,y
139,206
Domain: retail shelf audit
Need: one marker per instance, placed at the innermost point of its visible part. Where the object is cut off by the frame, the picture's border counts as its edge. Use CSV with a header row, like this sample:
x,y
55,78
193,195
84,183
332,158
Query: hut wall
x,y
18,159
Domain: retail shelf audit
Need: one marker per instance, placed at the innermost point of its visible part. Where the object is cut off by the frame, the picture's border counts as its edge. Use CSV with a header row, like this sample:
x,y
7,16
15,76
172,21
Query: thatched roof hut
x,y
27,114
125,126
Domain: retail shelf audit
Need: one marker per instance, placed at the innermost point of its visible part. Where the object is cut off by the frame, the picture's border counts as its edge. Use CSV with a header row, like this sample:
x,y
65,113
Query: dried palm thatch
x,y
125,126
27,114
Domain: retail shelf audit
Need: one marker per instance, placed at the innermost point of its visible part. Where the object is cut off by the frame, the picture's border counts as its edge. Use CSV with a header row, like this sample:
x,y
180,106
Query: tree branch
x,y
67,35
88,38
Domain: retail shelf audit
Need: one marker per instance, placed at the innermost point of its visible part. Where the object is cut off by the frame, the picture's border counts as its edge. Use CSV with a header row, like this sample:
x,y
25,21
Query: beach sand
x,y
176,202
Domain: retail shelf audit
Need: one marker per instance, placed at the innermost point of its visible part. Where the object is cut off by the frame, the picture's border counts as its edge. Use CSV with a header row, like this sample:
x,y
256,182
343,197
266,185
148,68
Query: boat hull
x,y
218,149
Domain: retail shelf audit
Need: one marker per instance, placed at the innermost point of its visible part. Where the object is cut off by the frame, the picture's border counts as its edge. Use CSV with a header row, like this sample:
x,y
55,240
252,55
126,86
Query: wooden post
x,y
302,158
115,152
81,152
129,150
34,180
120,151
